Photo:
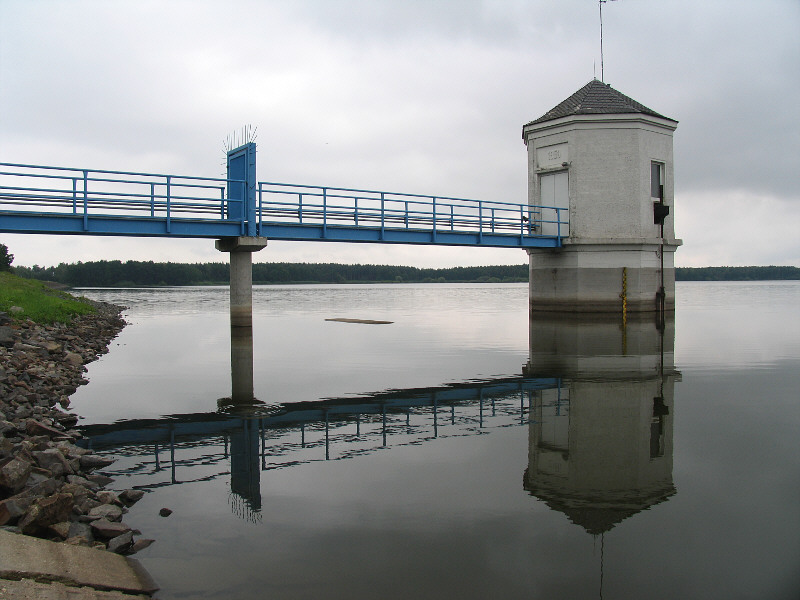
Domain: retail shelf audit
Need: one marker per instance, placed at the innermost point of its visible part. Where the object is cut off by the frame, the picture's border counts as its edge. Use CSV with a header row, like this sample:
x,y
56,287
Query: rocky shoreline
x,y
50,487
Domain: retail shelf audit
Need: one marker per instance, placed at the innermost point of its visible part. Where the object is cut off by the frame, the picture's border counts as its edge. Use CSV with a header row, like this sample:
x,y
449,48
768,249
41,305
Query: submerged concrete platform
x,y
35,568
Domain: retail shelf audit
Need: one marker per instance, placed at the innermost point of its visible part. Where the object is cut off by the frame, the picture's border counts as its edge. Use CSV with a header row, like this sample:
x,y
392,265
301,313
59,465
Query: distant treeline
x,y
115,273
736,273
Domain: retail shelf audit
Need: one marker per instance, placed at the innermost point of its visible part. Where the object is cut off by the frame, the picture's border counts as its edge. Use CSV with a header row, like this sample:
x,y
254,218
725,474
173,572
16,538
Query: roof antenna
x,y
601,2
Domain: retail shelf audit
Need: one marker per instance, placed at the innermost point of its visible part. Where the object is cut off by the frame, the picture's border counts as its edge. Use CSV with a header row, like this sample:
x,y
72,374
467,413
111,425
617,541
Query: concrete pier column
x,y
241,250
241,300
241,289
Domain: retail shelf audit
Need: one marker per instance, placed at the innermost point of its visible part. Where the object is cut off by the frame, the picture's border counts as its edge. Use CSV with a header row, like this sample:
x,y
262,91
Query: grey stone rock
x,y
141,544
66,419
165,512
131,497
6,336
88,504
51,346
122,543
38,477
14,473
54,461
60,529
74,359
42,488
112,512
79,492
7,426
12,509
82,530
77,479
108,497
105,529
23,412
34,427
45,512
99,479
72,451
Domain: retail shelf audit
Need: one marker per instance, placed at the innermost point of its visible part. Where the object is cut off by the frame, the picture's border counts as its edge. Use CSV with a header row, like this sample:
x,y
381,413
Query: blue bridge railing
x,y
45,199
343,214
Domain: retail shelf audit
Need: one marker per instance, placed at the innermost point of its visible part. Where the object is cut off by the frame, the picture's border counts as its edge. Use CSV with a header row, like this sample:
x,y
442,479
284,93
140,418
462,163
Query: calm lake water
x,y
461,451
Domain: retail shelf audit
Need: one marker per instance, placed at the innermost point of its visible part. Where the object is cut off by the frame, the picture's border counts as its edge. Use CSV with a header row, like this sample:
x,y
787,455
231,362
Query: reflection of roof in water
x,y
598,511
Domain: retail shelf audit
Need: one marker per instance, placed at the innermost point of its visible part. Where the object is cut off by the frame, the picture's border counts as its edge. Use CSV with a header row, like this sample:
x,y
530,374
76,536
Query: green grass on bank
x,y
38,302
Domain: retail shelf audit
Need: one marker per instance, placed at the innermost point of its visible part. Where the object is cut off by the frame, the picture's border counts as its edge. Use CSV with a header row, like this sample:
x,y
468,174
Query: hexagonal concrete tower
x,y
608,160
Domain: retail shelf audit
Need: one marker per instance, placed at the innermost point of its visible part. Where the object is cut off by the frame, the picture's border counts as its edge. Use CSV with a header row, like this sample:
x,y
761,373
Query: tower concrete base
x,y
602,278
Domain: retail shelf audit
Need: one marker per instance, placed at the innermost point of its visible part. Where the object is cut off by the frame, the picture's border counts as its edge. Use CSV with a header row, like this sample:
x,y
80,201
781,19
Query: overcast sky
x,y
404,95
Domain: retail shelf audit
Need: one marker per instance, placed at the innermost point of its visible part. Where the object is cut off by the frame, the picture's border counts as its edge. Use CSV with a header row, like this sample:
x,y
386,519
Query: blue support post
x,y
480,222
169,199
74,195
260,203
300,208
86,201
433,237
324,213
383,215
558,224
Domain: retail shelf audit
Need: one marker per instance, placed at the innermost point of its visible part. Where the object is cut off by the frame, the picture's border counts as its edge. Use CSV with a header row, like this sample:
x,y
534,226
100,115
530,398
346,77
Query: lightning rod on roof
x,y
601,2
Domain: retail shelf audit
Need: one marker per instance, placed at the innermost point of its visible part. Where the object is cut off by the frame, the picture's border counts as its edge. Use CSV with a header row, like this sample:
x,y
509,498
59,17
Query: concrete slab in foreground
x,y
26,558
26,589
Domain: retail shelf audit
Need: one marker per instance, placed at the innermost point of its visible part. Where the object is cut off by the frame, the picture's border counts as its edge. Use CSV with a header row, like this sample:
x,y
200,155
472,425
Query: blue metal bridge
x,y
58,200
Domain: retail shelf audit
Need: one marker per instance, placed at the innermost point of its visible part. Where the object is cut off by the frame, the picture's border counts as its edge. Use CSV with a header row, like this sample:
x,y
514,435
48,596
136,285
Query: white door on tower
x,y
554,194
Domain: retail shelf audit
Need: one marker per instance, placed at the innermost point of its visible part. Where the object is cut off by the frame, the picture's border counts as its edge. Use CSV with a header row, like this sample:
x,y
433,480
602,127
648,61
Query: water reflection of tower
x,y
600,445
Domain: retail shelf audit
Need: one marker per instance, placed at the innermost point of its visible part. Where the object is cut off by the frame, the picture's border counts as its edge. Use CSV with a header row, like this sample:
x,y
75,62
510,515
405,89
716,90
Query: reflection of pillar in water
x,y
241,365
600,445
245,468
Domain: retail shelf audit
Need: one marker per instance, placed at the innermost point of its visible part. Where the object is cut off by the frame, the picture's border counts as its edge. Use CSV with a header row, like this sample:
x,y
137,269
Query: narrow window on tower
x,y
657,180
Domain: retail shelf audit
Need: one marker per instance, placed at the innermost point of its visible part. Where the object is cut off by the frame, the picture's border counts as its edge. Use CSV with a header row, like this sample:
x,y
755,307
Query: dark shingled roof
x,y
596,98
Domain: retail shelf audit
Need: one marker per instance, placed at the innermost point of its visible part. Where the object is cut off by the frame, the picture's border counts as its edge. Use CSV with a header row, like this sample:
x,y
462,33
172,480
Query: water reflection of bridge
x,y
596,397
194,447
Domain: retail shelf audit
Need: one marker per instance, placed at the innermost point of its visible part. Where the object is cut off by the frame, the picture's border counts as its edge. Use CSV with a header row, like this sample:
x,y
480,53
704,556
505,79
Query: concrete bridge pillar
x,y
607,160
241,300
241,250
